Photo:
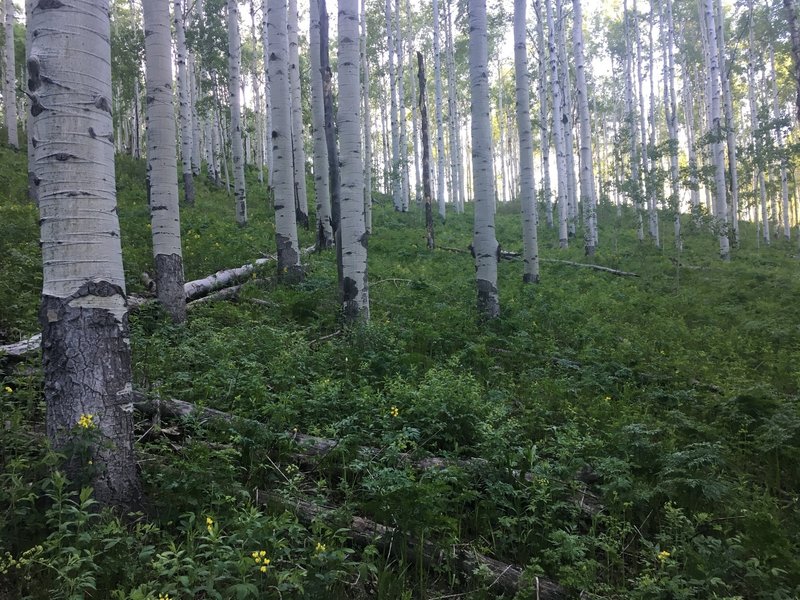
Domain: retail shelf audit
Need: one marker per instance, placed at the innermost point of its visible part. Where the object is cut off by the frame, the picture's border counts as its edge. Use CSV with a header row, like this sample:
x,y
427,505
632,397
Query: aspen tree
x,y
367,133
730,126
527,183
588,196
84,311
298,151
401,109
9,81
395,176
558,133
543,128
321,174
267,91
283,170
184,115
234,89
437,75
426,184
162,181
484,244
721,202
353,234
779,136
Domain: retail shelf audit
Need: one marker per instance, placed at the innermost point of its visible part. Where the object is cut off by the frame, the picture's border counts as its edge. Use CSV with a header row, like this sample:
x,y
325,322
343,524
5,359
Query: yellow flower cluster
x,y
164,597
663,555
209,524
86,421
394,411
7,390
260,558
320,548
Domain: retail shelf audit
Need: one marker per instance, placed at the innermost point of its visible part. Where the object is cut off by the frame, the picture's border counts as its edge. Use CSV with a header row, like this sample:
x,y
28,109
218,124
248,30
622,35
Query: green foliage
x,y
674,394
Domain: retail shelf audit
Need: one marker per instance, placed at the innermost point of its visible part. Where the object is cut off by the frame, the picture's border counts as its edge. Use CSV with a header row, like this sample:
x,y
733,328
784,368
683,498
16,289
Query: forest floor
x,y
625,437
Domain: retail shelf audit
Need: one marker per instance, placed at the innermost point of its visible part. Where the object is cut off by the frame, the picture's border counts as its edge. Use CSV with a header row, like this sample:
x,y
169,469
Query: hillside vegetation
x,y
638,437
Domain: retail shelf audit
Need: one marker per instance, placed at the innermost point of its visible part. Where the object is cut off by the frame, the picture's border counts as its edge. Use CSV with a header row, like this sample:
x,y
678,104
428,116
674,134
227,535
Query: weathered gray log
x,y
22,348
222,279
502,577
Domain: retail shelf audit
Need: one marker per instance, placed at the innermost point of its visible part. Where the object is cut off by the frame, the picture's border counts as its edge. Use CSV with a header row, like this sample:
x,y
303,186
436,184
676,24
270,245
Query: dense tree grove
x,y
358,179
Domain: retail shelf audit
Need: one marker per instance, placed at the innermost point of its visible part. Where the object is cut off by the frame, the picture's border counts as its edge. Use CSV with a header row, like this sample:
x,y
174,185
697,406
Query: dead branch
x,y
503,577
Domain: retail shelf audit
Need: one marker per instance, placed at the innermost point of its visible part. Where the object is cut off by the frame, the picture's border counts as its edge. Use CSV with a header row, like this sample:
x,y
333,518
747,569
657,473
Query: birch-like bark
x,y
790,8
671,117
234,89
630,119
484,244
721,202
259,115
184,115
283,169
397,191
353,234
730,125
84,313
196,136
135,145
162,169
527,184
457,173
426,157
437,75
588,196
208,135
655,234
558,133
779,135
330,127
688,108
413,92
566,119
321,174
267,91
367,132
645,193
298,151
543,127
401,110
9,81
32,189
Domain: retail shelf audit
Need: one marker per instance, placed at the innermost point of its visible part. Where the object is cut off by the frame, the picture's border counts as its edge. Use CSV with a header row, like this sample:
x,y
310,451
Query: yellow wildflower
x,y
320,547
7,390
263,568
86,421
394,411
254,554
164,597
209,521
663,555
262,553
257,559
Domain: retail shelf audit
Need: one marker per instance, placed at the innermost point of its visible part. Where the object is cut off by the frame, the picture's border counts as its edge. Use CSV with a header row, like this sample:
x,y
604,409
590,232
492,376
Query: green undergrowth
x,y
667,402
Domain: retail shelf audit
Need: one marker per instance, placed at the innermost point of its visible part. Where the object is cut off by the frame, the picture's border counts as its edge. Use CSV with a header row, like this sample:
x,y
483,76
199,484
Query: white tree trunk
x,y
283,169
234,89
688,107
543,128
353,234
196,136
588,196
485,246
721,202
566,118
321,173
397,191
730,125
655,233
558,133
267,91
671,117
84,315
162,178
298,150
184,115
413,94
457,182
437,74
9,81
527,184
367,133
401,109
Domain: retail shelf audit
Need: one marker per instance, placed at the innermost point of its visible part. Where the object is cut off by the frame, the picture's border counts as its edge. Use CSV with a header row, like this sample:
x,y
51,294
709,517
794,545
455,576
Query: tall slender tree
x,y
298,150
558,132
353,233
543,127
162,181
484,243
267,94
84,312
426,155
396,177
437,74
184,112
9,81
367,133
588,195
527,185
283,169
321,174
234,89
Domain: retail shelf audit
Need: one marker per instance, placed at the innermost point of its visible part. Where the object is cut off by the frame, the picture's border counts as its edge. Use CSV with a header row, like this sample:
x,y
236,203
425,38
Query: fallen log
x,y
504,578
507,255
22,348
315,449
